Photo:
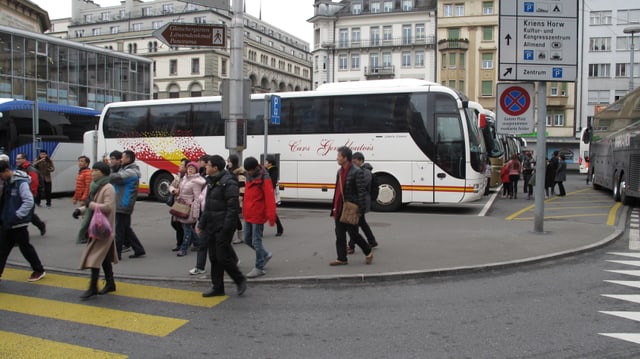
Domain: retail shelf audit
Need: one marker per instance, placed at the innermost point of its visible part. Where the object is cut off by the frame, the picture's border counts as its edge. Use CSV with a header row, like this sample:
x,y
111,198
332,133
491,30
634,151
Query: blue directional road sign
x,y
275,110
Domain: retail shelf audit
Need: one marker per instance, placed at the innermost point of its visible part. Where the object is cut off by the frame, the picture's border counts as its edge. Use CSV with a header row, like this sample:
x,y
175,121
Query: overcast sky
x,y
289,15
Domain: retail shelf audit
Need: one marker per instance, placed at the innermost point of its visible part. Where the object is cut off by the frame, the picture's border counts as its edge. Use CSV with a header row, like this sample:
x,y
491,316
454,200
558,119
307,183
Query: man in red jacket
x,y
259,206
23,164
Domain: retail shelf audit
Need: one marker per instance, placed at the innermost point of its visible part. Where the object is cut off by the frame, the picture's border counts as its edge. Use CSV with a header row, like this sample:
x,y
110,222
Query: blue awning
x,y
47,107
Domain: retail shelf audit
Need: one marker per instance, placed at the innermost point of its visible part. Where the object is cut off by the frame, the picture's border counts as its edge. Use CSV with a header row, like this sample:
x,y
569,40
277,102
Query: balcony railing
x,y
453,44
427,42
380,71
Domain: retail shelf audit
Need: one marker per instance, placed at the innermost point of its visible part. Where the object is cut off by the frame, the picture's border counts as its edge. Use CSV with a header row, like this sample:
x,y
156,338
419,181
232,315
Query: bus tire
x,y
616,188
626,200
161,184
389,194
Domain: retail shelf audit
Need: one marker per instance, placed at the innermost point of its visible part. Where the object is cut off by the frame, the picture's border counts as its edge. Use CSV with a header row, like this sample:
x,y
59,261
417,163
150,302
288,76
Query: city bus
x,y
615,148
495,148
60,133
420,137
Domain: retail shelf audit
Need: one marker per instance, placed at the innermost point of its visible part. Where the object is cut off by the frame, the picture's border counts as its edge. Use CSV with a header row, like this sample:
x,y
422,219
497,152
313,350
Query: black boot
x,y
93,284
110,286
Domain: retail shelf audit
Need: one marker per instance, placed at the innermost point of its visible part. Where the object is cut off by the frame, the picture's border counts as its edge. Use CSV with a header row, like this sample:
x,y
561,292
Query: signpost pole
x,y
235,95
541,162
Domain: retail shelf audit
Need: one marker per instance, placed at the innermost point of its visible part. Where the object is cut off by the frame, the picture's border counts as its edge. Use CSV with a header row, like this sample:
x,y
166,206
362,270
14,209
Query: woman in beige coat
x,y
99,251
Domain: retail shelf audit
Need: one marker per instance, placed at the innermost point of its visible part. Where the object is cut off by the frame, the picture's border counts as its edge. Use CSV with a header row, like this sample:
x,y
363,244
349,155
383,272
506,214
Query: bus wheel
x,y
616,189
389,195
626,200
161,186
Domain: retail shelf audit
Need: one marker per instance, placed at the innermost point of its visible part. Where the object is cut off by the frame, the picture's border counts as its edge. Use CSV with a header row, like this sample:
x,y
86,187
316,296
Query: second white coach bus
x,y
420,137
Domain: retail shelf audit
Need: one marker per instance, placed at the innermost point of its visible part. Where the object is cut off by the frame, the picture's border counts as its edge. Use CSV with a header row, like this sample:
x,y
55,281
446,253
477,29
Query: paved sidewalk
x,y
412,243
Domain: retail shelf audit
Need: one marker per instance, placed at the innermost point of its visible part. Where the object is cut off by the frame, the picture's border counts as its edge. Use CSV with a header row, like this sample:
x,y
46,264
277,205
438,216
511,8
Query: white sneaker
x,y
255,272
267,258
196,270
238,238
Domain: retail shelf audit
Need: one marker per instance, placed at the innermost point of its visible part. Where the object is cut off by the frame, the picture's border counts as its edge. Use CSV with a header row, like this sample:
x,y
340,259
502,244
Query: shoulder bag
x,y
180,209
350,210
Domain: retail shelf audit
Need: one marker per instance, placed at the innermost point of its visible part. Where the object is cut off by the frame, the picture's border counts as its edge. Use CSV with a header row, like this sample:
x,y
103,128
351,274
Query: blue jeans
x,y
189,235
253,238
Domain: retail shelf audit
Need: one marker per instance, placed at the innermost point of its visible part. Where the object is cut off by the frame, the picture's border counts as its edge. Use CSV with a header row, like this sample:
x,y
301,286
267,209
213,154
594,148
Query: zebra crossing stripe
x,y
635,298
628,283
630,337
138,291
625,254
85,314
24,346
627,272
629,263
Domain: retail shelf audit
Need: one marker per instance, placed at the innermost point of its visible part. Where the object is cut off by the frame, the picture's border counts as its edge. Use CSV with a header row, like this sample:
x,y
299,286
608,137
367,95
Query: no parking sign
x,y
515,108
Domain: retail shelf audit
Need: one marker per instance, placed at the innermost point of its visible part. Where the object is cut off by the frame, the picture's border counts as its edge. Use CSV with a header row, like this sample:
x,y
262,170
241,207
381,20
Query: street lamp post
x,y
632,30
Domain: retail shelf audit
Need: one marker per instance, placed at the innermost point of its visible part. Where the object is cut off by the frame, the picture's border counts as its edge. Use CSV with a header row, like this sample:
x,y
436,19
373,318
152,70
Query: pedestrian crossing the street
x,y
92,314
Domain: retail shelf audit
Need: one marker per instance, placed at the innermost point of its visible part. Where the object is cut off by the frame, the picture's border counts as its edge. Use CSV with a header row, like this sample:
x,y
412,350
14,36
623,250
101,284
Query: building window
x,y
555,119
115,29
195,66
387,33
173,67
419,58
137,26
600,18
447,10
79,33
406,34
599,70
156,25
487,88
623,43
453,33
452,60
461,60
167,8
200,19
223,67
461,86
88,18
133,48
105,16
355,61
621,70
459,9
356,8
600,44
373,61
388,6
553,88
420,33
598,97
444,60
344,38
628,16
153,46
406,59
487,8
375,35
96,32
375,7
147,11
386,60
343,62
355,35
487,33
407,5
452,84
487,60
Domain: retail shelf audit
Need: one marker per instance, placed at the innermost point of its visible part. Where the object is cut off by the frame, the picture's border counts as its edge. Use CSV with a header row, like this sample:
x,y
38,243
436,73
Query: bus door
x,y
451,161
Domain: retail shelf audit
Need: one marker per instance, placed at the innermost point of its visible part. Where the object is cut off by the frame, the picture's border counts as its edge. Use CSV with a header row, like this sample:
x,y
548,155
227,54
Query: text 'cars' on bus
x,y
59,131
420,137
614,155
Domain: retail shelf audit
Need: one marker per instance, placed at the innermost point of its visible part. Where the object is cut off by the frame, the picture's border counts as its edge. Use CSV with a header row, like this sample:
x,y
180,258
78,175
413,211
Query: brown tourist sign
x,y
178,34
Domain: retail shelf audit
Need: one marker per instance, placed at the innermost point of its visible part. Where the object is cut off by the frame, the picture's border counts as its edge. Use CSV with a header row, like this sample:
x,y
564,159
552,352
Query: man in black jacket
x,y
350,186
216,225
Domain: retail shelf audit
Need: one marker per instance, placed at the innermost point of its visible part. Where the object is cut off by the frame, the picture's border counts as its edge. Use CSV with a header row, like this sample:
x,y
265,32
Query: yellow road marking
x,y
85,314
138,291
20,346
611,219
558,217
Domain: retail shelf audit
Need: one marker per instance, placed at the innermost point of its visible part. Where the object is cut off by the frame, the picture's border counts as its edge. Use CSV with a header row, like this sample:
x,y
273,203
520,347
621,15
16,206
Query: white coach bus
x,y
420,137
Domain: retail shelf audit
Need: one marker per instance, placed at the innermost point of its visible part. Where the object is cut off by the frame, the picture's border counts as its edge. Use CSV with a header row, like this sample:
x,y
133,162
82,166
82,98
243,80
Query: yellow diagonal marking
x,y
85,314
18,346
138,291
611,219
566,216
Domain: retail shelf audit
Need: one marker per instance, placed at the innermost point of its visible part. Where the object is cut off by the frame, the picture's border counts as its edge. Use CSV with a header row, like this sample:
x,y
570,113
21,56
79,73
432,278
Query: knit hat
x,y
194,165
4,157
